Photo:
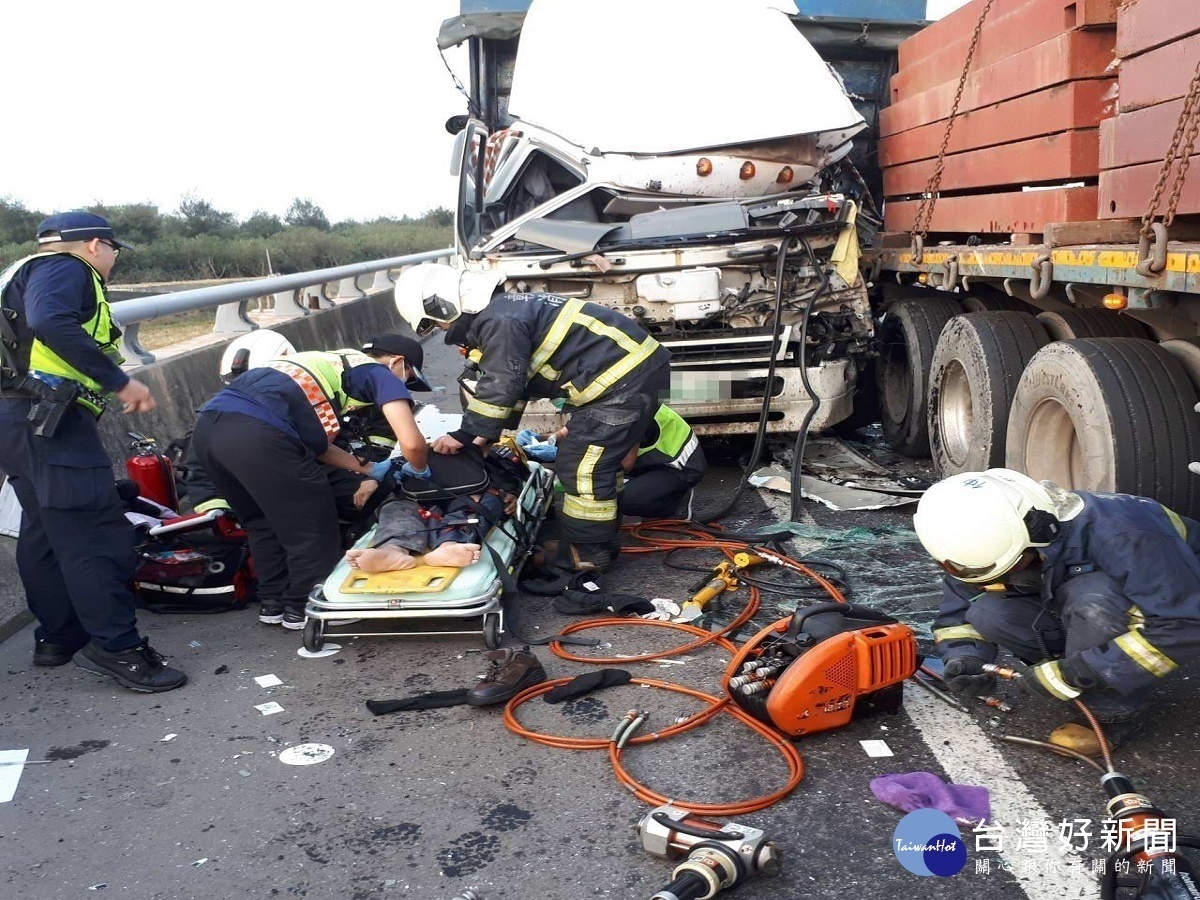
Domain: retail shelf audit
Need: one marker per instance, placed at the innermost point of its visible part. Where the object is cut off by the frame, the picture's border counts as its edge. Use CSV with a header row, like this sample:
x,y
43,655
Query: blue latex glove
x,y
527,436
542,452
407,469
380,469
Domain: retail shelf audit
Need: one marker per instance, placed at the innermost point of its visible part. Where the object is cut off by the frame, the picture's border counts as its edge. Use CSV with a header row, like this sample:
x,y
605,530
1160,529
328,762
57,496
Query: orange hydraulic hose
x,y
715,705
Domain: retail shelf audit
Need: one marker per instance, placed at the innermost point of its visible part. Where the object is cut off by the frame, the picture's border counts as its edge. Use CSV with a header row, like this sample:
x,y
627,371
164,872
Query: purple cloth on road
x,y
964,803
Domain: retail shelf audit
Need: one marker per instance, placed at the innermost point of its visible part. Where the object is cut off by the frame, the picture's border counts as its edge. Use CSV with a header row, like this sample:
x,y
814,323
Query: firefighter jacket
x,y
1146,548
539,345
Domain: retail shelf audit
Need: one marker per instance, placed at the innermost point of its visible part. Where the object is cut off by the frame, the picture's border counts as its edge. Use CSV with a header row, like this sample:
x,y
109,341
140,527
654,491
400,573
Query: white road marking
x,y
969,756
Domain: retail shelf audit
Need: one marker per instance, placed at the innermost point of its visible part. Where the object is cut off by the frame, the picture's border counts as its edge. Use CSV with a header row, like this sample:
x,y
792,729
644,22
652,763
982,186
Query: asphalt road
x,y
426,804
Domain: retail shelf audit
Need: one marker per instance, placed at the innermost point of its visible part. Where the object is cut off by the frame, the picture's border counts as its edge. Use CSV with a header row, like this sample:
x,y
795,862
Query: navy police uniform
x,y
258,440
75,553
1119,589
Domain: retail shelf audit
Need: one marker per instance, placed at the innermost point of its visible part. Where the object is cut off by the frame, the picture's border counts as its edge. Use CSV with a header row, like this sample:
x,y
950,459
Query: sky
x,y
245,103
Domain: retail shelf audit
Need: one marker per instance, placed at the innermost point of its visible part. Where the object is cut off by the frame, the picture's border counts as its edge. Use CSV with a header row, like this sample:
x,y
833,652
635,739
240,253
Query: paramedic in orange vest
x,y
262,441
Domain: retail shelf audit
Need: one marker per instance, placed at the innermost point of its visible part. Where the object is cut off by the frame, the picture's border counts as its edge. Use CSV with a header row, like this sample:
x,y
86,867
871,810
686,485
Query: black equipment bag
x,y
194,574
452,475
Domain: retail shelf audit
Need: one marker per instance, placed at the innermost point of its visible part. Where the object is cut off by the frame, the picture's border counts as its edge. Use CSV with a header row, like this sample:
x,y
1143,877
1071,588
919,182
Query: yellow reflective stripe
x,y
1137,618
1176,521
595,326
549,372
587,468
615,373
555,336
957,633
1051,679
490,410
1145,654
215,503
593,510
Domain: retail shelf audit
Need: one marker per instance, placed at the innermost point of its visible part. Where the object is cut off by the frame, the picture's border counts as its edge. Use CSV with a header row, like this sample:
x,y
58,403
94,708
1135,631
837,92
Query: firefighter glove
x,y
965,675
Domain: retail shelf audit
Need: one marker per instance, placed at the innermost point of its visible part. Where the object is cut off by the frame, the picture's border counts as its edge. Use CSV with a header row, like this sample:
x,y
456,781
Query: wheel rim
x,y
1053,450
955,413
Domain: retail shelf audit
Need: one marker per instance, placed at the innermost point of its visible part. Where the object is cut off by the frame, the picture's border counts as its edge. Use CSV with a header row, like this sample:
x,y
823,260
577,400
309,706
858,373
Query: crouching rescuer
x,y
1097,594
610,375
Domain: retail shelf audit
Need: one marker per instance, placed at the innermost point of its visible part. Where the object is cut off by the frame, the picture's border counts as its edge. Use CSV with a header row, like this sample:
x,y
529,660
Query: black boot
x,y
584,557
139,668
509,672
47,654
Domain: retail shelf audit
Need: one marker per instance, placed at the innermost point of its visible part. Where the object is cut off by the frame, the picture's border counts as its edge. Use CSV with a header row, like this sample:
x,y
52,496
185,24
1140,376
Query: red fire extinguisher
x,y
152,471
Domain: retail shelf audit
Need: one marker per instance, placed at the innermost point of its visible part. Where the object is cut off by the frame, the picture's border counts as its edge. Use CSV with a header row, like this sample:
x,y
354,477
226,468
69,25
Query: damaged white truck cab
x,y
703,203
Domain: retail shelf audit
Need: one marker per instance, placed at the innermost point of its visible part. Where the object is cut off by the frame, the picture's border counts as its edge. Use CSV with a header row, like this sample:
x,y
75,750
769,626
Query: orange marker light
x,y
785,175
1115,301
703,166
747,171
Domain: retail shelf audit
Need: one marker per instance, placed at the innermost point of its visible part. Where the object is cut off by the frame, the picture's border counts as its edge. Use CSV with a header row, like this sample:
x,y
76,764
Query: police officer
x,y
609,373
263,439
1098,594
60,366
663,470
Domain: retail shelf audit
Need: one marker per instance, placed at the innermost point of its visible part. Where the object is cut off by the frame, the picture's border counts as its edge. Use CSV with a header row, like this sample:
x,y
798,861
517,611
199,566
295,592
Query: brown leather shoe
x,y
509,672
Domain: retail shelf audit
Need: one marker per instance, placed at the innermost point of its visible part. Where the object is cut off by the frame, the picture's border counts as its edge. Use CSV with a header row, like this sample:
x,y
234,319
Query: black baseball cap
x,y
400,345
76,226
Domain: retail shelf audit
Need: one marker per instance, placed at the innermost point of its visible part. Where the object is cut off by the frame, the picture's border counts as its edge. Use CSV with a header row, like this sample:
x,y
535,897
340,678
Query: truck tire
x,y
908,335
985,299
1108,414
1187,351
976,367
1070,324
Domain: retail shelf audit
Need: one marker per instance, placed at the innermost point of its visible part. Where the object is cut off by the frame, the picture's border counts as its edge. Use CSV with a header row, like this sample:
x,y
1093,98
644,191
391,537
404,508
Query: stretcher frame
x,y
475,593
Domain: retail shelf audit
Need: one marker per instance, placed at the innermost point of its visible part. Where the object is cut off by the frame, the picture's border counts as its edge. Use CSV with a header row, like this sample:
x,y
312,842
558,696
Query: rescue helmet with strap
x,y
977,525
436,294
253,351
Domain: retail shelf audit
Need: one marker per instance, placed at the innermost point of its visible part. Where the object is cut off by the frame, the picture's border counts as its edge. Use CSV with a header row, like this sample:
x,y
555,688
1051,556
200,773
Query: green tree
x,y
201,217
137,223
261,225
303,213
17,224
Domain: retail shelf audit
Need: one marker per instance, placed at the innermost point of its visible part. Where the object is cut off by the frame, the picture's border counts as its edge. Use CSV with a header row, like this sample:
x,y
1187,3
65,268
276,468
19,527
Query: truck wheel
x,y
1187,351
985,299
1108,414
907,337
1069,324
976,367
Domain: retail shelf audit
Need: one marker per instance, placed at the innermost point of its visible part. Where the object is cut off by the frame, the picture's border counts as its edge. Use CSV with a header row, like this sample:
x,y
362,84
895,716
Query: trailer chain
x,y
929,199
1183,143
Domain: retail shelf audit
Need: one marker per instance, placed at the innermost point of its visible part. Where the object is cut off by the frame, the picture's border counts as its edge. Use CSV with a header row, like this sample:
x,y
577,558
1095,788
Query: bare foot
x,y
388,558
457,555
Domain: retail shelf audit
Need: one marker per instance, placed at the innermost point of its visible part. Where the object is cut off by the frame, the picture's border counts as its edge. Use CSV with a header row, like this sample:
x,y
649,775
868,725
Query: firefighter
x,y
60,367
1097,594
609,374
661,472
263,439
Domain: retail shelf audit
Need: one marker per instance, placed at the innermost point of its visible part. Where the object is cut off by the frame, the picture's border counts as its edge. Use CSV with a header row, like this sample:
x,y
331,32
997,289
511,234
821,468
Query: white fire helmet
x,y
252,351
978,524
436,294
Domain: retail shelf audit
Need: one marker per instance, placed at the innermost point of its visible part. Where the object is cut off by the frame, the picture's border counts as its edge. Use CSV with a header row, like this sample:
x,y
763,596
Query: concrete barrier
x,y
181,384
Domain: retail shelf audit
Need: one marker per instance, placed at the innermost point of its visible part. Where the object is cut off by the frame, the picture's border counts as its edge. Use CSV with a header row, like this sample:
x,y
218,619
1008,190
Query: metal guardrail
x,y
291,292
